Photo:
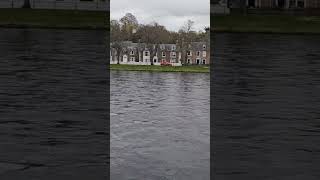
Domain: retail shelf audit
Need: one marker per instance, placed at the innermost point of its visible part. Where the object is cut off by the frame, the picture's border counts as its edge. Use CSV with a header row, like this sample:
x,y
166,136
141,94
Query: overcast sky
x,y
170,13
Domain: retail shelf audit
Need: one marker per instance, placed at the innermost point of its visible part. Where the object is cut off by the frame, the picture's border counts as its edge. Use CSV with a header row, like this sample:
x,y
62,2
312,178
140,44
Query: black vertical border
x,y
108,86
211,93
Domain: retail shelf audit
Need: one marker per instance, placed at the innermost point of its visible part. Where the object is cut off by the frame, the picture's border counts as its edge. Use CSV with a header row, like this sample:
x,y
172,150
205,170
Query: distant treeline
x,y
128,28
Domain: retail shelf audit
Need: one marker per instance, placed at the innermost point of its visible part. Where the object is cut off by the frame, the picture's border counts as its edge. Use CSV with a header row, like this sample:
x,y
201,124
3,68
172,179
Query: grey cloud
x,y
171,13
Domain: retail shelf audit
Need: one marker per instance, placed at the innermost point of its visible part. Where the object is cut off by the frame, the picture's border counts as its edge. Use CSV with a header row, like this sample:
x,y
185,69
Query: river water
x,y
53,111
265,99
160,126
53,105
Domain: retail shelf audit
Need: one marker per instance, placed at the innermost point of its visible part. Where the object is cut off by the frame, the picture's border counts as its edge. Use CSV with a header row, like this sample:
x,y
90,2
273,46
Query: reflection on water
x,y
159,125
52,111
265,96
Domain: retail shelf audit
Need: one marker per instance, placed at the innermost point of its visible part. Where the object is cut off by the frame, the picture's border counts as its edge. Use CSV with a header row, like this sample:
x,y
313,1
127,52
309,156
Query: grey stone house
x,y
198,53
138,53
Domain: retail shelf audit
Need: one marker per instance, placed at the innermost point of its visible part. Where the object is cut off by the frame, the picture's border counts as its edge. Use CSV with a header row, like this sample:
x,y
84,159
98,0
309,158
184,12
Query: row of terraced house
x,y
197,53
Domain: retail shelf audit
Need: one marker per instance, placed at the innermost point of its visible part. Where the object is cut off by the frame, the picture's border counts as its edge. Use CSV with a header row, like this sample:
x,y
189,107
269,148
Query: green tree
x,y
129,25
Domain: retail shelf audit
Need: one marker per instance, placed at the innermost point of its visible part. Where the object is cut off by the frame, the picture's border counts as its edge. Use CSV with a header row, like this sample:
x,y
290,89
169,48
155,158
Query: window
x,y
203,61
173,54
188,61
132,59
132,53
173,47
204,53
146,53
162,47
163,54
204,46
198,53
189,53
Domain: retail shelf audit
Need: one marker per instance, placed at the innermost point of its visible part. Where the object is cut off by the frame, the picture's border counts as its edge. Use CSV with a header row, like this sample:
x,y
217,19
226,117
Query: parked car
x,y
165,63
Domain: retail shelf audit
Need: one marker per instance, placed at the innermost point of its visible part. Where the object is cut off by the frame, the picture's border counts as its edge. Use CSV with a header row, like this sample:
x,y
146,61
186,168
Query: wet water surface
x,y
159,126
53,104
265,97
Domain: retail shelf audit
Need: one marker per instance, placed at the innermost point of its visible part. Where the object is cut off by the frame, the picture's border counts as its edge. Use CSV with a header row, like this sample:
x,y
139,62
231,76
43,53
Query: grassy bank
x,y
192,69
266,24
70,19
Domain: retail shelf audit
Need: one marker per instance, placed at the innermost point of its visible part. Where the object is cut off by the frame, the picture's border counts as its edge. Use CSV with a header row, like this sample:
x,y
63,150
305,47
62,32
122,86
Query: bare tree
x,y
207,34
188,26
129,24
116,38
152,35
185,38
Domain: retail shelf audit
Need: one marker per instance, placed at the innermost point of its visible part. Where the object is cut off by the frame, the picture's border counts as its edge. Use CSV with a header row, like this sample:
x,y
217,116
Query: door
x,y
125,58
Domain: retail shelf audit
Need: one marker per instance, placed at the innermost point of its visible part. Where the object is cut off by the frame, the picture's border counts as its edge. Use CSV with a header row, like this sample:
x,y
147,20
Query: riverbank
x,y
190,69
66,19
266,24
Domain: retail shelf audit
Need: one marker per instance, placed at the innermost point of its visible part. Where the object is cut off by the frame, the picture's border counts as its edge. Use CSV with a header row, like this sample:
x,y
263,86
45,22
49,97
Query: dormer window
x,y
162,47
173,48
198,53
131,52
189,53
163,54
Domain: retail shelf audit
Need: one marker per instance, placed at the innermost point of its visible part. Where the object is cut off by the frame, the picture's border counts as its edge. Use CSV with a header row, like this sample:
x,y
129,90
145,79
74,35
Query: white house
x,y
138,54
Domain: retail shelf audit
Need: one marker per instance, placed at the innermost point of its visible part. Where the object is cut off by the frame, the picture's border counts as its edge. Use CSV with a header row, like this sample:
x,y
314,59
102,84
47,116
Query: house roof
x,y
197,46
